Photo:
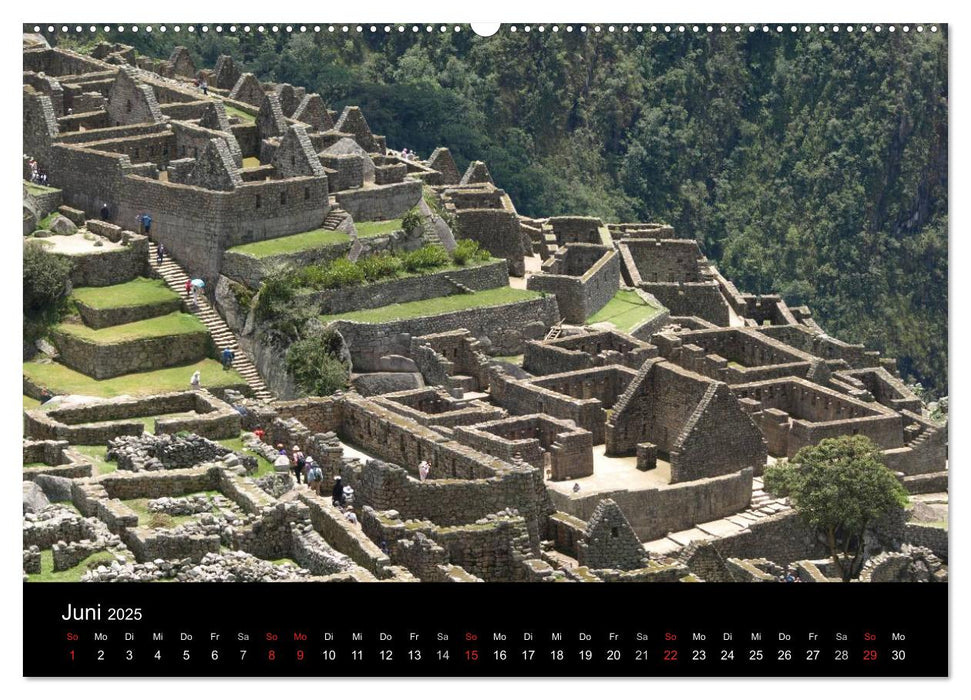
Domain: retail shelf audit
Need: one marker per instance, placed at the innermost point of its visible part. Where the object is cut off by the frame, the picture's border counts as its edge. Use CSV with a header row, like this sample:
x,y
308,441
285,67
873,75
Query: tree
x,y
47,284
840,487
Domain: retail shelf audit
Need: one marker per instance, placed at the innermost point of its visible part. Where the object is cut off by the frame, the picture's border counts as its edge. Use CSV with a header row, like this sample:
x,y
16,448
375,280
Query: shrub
x,y
161,520
342,273
467,251
277,290
314,365
242,293
47,279
47,284
425,258
411,220
381,266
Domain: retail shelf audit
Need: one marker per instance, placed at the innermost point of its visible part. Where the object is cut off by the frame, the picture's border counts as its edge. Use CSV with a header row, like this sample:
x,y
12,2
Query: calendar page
x,y
359,337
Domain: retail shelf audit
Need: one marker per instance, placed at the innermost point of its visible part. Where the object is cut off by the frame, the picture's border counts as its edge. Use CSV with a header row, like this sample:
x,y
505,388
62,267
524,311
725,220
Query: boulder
x,y
34,498
374,383
56,488
63,226
396,363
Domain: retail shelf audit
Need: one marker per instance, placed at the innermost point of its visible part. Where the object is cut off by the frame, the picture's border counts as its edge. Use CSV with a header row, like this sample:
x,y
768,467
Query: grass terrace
x,y
625,311
232,111
48,575
176,323
96,455
296,243
137,292
437,306
34,188
63,380
367,229
251,162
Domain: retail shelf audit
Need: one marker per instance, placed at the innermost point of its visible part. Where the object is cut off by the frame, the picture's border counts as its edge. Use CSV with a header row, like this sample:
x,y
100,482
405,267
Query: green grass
x,y
232,111
137,292
625,311
296,243
437,305
366,229
145,516
30,403
63,380
48,575
251,162
263,465
96,455
34,188
176,323
511,359
46,221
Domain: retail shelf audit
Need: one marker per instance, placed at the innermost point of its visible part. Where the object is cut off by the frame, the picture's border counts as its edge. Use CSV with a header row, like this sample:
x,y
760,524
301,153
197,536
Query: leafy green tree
x,y
840,487
47,284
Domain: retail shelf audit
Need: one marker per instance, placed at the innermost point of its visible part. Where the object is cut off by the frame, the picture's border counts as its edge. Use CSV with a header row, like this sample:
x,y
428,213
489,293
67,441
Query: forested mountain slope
x,y
813,164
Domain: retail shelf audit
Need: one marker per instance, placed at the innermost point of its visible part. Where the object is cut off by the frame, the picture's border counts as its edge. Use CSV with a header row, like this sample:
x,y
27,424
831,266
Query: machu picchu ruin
x,y
261,292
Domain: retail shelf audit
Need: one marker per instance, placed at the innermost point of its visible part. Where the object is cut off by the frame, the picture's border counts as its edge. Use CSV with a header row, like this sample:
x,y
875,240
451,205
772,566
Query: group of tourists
x,y
303,467
36,176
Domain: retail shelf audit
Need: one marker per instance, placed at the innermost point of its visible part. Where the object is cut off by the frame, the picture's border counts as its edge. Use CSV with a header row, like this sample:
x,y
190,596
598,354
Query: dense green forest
x,y
813,164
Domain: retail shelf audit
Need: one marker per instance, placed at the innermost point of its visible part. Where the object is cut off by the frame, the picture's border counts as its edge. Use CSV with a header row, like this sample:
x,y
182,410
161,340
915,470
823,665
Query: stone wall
x,y
111,266
496,230
103,361
697,421
582,295
380,202
344,536
702,299
654,513
505,327
251,270
585,351
102,318
417,288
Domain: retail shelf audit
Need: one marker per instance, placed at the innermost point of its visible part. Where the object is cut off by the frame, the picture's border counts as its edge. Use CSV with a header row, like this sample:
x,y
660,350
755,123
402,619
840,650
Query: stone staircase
x,y
175,277
335,217
461,288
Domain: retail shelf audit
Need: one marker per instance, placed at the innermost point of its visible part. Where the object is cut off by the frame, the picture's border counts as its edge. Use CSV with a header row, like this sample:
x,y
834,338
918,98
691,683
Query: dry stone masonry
x,y
514,440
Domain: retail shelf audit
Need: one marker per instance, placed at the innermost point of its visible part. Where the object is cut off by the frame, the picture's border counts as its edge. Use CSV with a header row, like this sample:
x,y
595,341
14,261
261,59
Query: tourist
x,y
349,514
105,212
196,381
195,295
299,461
576,488
260,434
314,475
228,356
348,495
423,469
160,254
188,288
205,87
338,492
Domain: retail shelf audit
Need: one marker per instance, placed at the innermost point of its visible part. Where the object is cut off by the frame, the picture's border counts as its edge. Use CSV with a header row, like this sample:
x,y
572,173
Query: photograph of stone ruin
x,y
504,397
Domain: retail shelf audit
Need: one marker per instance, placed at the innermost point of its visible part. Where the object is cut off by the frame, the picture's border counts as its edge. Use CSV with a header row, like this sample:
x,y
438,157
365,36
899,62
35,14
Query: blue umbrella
x,y
198,283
